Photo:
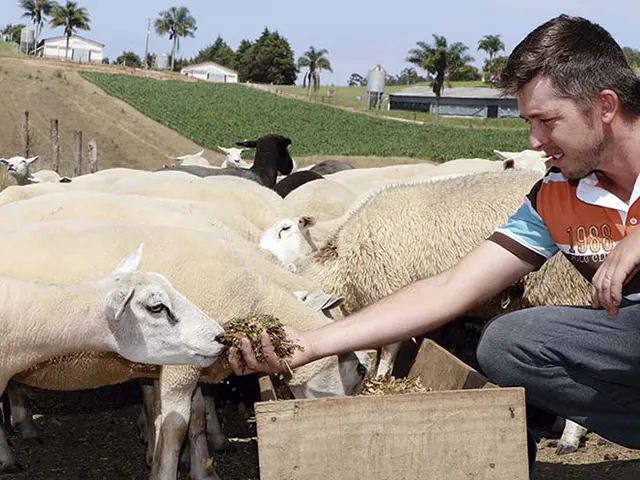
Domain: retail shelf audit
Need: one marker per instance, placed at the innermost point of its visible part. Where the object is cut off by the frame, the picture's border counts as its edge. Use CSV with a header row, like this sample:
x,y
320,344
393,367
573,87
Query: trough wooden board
x,y
452,435
440,370
465,428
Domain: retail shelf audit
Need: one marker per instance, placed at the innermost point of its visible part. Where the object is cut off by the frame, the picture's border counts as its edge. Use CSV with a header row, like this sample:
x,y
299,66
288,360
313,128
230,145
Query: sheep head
x,y
151,322
233,157
524,160
289,240
272,143
18,167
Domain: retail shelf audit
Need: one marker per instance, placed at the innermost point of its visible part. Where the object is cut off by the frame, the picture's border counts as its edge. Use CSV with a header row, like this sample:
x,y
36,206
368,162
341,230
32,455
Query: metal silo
x,y
376,79
27,40
162,61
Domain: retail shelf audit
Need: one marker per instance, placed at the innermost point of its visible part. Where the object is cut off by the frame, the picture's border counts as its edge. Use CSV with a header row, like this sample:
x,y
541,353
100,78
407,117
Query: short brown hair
x,y
579,57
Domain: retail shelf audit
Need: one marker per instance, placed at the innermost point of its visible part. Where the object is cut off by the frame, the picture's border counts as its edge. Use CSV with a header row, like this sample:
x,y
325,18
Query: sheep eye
x,y
287,227
156,308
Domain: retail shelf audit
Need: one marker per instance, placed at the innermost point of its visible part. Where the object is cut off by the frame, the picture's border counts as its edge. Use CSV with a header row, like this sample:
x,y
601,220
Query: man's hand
x,y
615,271
272,363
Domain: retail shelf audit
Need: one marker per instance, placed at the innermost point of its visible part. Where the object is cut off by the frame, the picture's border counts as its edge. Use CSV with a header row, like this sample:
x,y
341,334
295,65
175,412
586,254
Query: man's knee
x,y
501,344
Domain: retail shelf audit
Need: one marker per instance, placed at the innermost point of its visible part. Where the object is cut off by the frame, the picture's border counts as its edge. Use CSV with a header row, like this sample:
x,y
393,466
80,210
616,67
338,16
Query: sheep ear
x,y
118,299
501,155
32,159
130,263
222,149
248,143
508,164
306,221
199,154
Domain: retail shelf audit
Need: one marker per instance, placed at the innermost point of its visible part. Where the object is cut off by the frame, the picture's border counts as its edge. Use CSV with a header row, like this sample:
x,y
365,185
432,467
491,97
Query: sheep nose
x,y
219,338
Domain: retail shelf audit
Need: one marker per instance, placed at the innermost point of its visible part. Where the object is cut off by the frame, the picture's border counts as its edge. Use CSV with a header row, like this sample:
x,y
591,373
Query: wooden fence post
x,y
25,134
55,146
77,153
92,147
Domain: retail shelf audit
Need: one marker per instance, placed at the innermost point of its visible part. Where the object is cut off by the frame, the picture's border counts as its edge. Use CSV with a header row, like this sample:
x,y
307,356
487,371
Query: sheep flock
x,y
215,242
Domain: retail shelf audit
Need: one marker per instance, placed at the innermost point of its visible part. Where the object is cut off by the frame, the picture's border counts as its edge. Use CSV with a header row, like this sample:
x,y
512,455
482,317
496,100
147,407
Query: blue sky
x,y
358,35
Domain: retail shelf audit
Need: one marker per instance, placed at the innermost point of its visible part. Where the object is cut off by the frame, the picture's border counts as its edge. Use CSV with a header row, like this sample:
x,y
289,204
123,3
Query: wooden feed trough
x,y
463,428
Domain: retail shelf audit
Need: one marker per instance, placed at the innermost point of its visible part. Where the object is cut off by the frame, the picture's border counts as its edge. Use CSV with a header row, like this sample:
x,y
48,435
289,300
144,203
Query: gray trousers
x,y
576,362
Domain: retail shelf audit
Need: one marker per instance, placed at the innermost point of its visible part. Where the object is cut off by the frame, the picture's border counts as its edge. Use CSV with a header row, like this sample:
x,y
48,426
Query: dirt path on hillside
x,y
125,137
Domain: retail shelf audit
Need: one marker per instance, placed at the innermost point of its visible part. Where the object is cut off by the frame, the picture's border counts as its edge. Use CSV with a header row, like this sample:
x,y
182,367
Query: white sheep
x,y
18,168
288,240
194,159
124,208
210,268
233,157
323,199
138,316
408,232
260,205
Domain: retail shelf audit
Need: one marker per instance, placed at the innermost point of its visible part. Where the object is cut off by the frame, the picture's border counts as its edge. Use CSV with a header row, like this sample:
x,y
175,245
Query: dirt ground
x,y
92,435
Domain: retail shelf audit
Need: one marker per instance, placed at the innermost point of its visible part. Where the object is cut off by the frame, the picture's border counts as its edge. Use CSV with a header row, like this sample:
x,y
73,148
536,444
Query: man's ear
x,y
609,105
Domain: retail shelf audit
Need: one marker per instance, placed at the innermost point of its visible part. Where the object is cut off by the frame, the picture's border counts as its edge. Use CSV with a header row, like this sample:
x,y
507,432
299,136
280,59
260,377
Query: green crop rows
x,y
221,114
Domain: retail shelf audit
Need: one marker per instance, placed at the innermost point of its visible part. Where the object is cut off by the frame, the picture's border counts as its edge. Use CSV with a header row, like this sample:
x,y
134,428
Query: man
x,y
582,101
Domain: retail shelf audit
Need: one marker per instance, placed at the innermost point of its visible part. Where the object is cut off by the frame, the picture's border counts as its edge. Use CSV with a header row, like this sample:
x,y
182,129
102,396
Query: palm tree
x,y
438,59
491,44
316,61
37,11
70,16
177,22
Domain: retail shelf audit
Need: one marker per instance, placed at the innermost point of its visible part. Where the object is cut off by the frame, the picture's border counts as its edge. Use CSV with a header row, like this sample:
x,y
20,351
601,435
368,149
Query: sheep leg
x,y
172,413
201,463
218,441
21,417
571,436
8,463
388,356
145,421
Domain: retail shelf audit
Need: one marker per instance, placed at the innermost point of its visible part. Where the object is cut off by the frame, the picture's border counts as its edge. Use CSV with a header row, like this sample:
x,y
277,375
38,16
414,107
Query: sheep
x,y
18,168
87,205
290,182
524,160
16,193
260,205
193,159
271,157
330,166
211,278
408,232
322,199
233,158
284,239
138,316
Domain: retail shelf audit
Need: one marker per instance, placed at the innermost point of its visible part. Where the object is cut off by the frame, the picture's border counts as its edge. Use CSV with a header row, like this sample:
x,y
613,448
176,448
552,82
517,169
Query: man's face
x,y
572,136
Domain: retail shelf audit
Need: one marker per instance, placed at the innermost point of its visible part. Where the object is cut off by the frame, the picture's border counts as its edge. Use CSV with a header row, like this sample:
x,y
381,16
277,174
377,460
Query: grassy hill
x,y
54,90
213,114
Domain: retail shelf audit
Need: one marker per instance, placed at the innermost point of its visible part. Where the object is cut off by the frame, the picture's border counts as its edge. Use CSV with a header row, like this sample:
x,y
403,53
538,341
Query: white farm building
x,y
80,49
211,72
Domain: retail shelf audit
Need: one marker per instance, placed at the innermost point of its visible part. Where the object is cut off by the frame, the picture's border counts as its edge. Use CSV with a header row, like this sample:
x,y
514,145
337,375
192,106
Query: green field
x,y
221,114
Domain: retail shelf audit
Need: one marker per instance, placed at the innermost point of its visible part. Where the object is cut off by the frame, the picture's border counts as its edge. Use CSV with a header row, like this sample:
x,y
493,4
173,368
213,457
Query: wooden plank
x,y
267,392
455,435
440,370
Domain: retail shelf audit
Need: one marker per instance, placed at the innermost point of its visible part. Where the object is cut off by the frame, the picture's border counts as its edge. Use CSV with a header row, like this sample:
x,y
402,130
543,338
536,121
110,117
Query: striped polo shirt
x,y
577,217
